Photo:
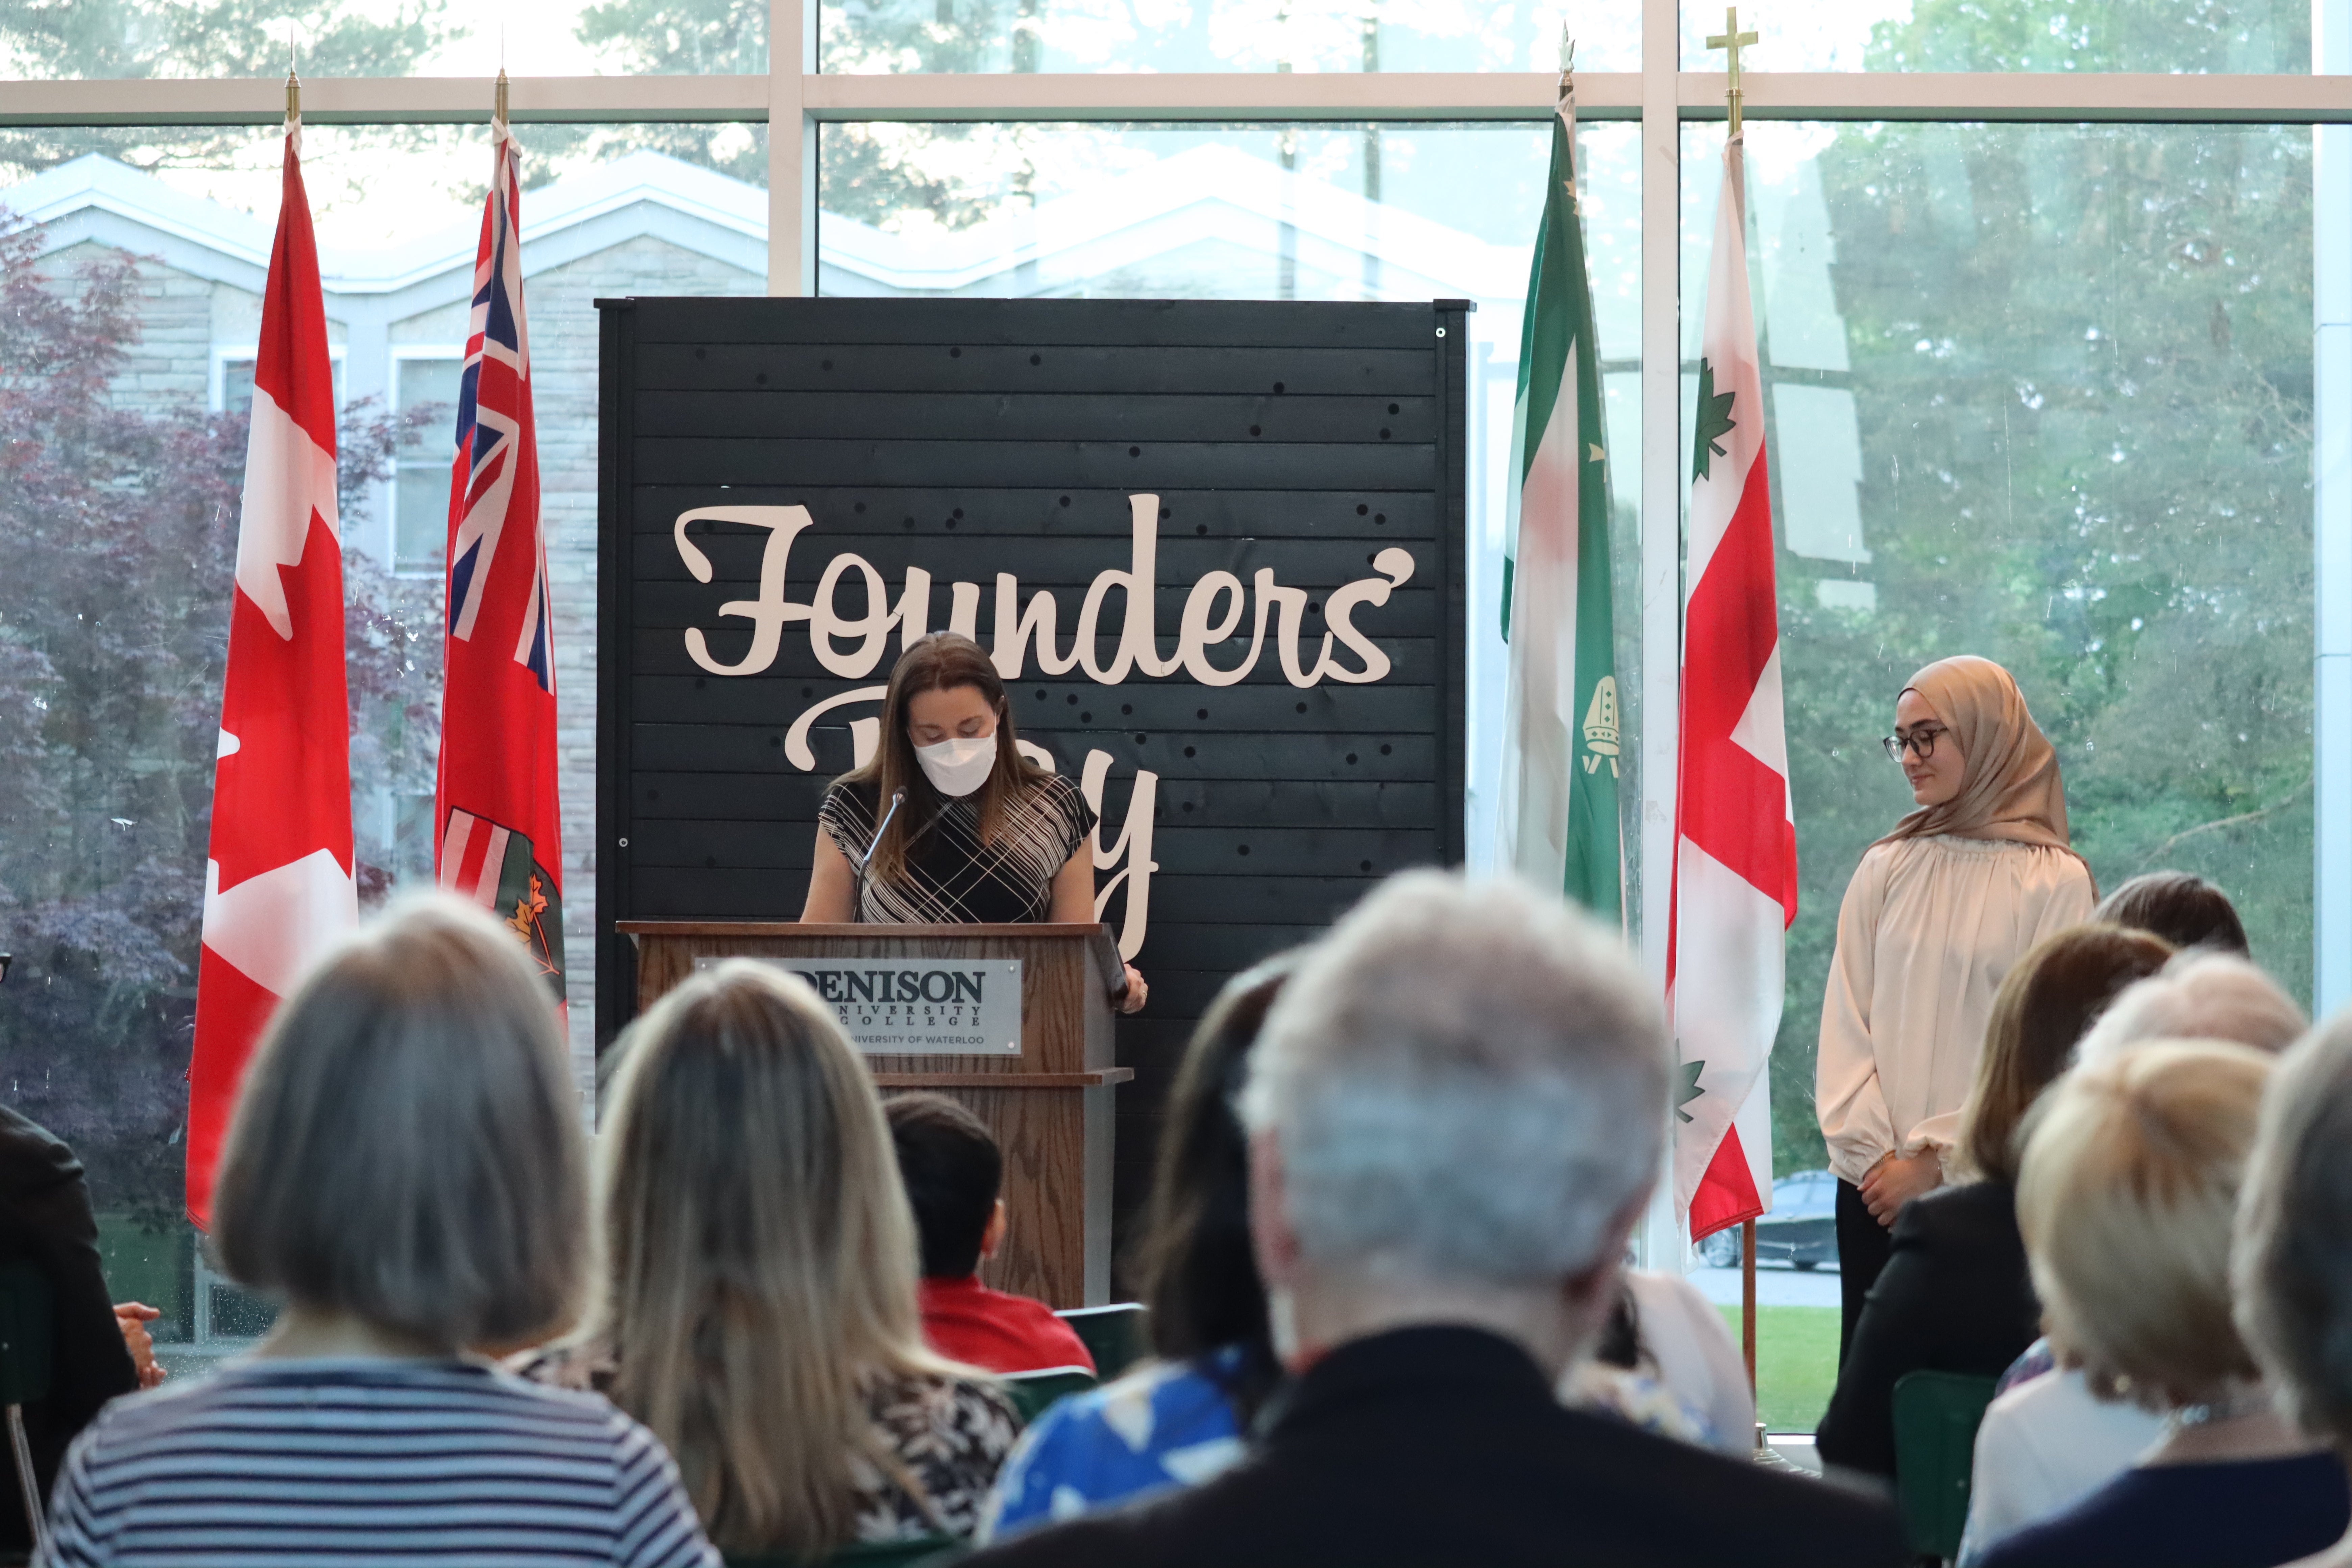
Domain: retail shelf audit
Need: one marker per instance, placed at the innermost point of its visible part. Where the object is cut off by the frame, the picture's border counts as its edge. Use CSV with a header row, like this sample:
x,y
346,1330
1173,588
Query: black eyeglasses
x,y
1920,742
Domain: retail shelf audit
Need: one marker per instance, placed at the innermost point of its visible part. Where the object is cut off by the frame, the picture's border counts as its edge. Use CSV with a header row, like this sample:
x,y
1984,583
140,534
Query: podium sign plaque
x,y
928,1007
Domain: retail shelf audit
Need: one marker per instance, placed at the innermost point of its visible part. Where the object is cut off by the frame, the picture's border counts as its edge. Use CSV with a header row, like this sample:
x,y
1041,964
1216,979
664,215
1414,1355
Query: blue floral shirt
x,y
1170,1425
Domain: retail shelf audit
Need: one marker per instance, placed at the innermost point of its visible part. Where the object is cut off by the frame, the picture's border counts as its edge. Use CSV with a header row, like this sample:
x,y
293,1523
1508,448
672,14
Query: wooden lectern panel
x,y
1049,1108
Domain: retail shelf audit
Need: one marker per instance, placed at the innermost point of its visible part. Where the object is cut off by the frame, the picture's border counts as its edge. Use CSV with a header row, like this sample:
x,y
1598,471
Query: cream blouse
x,y
1928,928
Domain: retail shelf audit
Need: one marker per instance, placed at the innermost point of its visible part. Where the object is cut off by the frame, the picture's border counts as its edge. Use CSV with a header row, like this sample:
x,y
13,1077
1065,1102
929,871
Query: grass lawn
x,y
1796,1363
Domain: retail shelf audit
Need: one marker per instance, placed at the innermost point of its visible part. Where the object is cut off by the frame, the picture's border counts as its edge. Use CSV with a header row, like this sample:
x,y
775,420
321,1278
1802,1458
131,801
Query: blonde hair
x,y
760,1256
2125,1196
407,1146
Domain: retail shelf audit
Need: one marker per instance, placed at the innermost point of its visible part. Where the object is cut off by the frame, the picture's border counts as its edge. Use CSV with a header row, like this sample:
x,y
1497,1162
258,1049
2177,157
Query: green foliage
x,y
2081,365
115,39
2251,36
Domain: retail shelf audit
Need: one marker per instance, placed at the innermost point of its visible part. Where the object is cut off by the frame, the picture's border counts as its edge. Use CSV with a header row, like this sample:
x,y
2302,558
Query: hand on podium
x,y
1131,999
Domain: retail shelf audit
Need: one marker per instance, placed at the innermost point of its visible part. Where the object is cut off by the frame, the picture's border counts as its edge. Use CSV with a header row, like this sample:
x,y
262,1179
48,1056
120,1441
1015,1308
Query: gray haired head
x,y
2200,995
1465,1081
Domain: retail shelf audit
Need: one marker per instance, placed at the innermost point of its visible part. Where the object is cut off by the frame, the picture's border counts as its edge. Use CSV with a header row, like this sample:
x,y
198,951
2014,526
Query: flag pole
x,y
1747,1300
1731,40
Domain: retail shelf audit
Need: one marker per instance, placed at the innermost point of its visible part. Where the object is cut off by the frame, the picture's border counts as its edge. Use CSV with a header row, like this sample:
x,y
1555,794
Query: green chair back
x,y
1117,1336
1936,1418
26,1318
1034,1392
929,1550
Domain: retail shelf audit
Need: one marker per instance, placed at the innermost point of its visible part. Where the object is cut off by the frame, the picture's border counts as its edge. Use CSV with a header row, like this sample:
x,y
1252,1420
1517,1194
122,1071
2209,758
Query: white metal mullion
x,y
2331,970
1393,95
1659,592
347,100
791,147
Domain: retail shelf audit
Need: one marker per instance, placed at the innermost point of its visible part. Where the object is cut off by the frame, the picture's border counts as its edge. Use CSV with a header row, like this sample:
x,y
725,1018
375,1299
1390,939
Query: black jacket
x,y
1956,1296
44,1219
1430,1447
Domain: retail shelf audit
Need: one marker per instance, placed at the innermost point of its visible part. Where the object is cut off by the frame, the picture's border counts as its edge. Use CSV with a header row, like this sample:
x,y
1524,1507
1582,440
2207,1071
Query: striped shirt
x,y
269,1462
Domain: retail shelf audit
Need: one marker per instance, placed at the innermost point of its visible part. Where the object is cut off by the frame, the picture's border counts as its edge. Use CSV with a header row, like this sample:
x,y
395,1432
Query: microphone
x,y
857,888
898,799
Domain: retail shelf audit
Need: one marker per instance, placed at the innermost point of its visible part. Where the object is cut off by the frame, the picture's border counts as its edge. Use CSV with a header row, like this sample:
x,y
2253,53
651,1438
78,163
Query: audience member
x,y
1956,1295
2186,911
757,1311
1665,1362
1456,1110
953,1171
1935,914
95,1348
2200,996
1180,1420
2292,1262
2127,1194
404,1171
2047,1441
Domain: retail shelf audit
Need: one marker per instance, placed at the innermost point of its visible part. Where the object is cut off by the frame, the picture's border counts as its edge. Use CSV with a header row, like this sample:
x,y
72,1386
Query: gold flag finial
x,y
499,109
1731,39
1567,67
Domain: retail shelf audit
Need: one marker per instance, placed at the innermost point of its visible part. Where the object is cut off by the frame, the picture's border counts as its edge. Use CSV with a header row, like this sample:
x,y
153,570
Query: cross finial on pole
x,y
1732,39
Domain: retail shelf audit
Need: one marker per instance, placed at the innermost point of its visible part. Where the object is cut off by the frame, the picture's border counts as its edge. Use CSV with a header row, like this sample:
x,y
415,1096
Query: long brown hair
x,y
760,1257
940,662
2042,1009
1199,1276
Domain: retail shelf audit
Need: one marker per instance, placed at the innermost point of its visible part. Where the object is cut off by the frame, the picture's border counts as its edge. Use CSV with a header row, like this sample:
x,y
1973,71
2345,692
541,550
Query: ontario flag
x,y
278,875
1734,838
1557,820
496,810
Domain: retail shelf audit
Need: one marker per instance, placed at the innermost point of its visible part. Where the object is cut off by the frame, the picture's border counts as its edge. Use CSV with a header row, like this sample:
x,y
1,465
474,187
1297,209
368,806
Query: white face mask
x,y
958,767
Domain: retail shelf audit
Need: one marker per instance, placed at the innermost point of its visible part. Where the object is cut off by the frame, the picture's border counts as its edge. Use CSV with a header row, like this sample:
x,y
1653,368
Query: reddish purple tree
x,y
117,540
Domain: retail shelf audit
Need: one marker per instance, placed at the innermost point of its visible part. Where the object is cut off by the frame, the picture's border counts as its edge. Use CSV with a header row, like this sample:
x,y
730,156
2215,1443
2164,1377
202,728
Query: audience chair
x,y
25,1352
1033,1392
1936,1418
1115,1336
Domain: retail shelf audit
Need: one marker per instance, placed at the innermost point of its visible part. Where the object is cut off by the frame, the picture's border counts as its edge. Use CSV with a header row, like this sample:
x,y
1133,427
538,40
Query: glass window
x,y
897,36
146,260
2042,394
425,392
1324,212
2249,37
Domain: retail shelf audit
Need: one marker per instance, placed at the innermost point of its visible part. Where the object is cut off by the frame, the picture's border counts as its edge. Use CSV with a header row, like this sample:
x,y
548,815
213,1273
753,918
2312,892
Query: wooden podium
x,y
1050,1108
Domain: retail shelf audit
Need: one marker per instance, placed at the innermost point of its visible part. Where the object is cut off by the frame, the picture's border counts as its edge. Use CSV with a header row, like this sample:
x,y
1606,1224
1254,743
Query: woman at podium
x,y
947,824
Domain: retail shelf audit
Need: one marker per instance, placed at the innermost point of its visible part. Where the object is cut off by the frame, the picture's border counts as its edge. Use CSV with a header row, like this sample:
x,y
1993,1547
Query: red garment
x,y
967,1321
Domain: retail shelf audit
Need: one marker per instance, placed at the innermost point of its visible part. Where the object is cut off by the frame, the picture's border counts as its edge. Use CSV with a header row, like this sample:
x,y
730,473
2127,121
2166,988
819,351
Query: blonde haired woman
x,y
1937,915
2127,1195
759,1310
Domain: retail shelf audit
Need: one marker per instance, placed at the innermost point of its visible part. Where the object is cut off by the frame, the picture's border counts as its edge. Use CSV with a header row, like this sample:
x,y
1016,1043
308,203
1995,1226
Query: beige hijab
x,y
2009,788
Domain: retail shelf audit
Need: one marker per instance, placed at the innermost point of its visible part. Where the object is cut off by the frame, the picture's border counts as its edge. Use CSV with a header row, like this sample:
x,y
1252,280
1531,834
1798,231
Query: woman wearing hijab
x,y
1937,915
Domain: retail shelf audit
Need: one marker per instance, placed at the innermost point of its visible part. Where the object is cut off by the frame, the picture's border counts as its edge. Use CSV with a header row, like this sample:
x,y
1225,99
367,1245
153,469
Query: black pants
x,y
1862,1246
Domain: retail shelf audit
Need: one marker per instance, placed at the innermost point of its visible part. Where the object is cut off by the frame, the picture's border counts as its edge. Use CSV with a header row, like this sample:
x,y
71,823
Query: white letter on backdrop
x,y
1396,567
768,613
1134,845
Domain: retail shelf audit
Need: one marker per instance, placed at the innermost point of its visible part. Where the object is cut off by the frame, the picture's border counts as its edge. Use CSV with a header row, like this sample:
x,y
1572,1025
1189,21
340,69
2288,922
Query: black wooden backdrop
x,y
976,437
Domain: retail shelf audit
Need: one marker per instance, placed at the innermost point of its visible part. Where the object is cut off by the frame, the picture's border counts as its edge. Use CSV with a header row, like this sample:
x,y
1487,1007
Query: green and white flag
x,y
1562,738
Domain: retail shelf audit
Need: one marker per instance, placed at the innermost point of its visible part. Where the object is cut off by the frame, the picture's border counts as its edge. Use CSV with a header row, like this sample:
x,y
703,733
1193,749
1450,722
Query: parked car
x,y
1800,1230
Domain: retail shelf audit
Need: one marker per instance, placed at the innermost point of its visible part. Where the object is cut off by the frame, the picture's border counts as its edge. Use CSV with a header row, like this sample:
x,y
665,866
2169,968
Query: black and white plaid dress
x,y
952,877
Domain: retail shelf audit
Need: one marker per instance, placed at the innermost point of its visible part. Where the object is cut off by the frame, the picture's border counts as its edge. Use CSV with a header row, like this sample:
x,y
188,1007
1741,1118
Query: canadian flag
x,y
1735,888
278,878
